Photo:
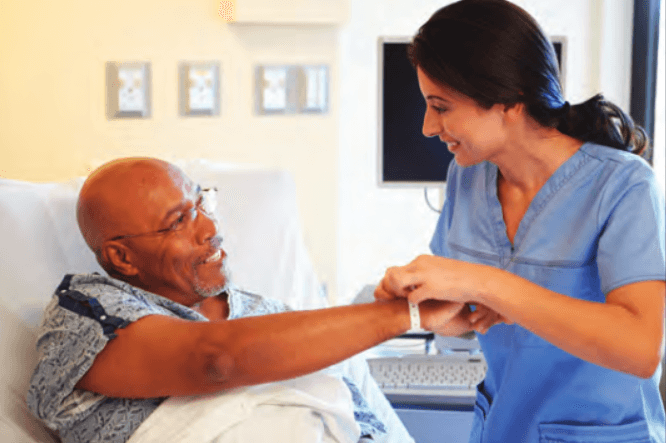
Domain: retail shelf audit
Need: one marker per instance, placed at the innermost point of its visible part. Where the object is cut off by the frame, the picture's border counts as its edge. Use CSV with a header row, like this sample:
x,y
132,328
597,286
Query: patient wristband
x,y
414,316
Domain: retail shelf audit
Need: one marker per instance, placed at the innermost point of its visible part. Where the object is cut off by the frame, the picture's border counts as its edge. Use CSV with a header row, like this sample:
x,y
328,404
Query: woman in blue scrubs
x,y
552,224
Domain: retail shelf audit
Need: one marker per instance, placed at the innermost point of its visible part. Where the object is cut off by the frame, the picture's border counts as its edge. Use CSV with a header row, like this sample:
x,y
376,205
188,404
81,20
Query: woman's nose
x,y
431,126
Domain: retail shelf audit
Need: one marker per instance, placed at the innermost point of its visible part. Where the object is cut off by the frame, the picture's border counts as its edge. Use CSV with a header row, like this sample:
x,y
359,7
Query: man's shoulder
x,y
80,300
109,293
96,295
78,289
94,285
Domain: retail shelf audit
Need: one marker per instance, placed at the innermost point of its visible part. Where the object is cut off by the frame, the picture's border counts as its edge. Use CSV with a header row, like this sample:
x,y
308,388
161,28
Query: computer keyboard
x,y
451,375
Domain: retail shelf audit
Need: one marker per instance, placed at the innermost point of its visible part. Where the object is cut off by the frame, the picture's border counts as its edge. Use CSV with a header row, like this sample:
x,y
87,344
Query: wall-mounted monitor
x,y
406,157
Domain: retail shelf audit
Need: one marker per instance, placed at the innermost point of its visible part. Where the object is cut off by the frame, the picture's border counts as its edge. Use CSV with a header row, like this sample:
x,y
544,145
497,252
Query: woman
x,y
551,223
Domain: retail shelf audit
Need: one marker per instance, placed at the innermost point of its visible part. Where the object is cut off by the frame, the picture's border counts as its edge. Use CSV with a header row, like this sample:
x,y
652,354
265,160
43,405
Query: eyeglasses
x,y
206,203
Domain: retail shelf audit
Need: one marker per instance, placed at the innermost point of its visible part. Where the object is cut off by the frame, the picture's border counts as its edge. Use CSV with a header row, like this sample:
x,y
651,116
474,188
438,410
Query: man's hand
x,y
442,315
483,318
454,319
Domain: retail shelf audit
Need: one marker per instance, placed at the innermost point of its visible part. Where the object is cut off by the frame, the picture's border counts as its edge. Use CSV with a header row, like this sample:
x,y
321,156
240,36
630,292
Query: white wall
x,y
381,227
52,123
52,97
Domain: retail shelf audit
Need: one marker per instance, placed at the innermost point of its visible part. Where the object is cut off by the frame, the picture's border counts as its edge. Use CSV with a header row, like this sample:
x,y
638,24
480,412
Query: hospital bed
x,y
40,243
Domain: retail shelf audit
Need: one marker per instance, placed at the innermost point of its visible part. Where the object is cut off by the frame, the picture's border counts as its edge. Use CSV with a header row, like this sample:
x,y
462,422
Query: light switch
x,y
272,88
132,89
199,89
128,90
290,89
314,89
277,89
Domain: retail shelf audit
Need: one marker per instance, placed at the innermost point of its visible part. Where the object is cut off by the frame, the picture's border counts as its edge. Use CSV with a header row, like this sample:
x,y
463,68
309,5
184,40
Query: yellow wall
x,y
52,97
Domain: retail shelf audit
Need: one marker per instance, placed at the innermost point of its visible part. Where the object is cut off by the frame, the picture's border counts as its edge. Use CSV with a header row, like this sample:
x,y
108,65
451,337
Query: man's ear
x,y
117,256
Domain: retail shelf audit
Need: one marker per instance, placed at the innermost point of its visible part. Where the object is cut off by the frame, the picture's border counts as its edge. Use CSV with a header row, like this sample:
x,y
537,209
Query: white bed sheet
x,y
311,409
316,408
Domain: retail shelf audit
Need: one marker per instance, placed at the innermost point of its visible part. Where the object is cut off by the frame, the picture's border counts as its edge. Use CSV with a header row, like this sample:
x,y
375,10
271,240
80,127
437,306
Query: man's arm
x,y
159,356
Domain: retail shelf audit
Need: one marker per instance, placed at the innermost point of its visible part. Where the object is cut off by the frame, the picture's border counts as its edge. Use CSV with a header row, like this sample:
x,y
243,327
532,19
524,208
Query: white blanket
x,y
315,408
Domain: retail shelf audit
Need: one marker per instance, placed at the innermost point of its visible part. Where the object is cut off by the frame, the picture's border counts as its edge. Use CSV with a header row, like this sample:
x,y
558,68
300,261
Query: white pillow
x,y
40,244
260,223
18,356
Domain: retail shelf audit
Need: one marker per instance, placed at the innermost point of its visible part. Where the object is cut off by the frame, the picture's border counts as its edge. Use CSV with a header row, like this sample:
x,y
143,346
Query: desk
x,y
437,416
431,418
435,419
437,425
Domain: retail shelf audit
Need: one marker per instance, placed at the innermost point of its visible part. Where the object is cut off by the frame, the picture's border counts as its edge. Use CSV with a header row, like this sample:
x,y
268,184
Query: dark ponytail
x,y
495,52
602,122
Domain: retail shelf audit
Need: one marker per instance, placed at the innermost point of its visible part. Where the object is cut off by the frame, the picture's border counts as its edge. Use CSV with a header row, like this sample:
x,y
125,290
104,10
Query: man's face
x,y
183,259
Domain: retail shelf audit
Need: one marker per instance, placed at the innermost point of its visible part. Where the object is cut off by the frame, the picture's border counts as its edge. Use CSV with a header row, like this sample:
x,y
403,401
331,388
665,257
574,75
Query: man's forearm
x,y
161,356
262,349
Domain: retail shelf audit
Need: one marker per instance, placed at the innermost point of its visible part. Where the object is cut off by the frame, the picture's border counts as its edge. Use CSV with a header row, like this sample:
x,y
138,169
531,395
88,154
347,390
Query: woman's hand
x,y
432,277
392,286
436,278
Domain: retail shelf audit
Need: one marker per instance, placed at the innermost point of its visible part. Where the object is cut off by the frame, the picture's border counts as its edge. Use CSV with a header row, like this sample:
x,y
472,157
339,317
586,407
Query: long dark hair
x,y
495,52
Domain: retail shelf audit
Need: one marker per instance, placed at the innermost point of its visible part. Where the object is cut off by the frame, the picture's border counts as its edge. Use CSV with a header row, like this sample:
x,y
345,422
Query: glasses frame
x,y
201,192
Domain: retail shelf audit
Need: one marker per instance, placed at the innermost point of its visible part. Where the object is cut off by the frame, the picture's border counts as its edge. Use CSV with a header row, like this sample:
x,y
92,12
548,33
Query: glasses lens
x,y
209,201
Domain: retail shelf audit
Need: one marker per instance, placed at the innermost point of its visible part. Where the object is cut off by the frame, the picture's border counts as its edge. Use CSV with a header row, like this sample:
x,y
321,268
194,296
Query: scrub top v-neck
x,y
595,225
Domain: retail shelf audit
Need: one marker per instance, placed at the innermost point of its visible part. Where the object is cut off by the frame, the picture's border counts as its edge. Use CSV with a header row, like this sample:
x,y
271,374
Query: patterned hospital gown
x,y
79,321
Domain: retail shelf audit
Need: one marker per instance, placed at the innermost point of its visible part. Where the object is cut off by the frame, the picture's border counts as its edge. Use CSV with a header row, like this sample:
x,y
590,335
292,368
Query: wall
x,y
52,123
52,97
382,227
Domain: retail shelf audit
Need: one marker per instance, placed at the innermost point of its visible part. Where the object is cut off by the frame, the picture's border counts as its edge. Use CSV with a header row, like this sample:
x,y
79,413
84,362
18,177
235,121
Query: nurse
x,y
552,223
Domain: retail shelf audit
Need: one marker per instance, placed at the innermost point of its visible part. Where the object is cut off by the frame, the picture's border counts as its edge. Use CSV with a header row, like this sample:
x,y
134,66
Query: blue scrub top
x,y
597,224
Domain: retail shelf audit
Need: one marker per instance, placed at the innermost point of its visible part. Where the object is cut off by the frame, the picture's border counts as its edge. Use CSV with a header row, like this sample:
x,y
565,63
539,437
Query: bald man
x,y
165,322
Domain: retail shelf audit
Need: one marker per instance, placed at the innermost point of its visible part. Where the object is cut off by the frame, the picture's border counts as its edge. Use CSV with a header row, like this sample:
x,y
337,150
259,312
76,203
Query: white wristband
x,y
414,316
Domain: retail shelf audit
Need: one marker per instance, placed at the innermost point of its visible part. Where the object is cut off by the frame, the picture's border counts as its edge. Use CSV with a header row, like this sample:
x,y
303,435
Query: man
x,y
167,323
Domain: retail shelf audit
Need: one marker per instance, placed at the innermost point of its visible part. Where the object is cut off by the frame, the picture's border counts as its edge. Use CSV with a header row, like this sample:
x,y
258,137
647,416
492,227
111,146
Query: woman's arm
x,y
625,333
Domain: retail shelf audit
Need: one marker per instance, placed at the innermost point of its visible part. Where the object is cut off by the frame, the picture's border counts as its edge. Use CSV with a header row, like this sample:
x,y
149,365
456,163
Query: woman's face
x,y
472,133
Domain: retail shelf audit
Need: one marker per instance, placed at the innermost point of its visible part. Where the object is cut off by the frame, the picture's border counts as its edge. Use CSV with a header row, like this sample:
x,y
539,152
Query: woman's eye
x,y
437,109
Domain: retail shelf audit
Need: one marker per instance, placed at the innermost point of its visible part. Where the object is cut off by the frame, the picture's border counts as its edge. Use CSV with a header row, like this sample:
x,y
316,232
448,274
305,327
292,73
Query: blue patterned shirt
x,y
80,321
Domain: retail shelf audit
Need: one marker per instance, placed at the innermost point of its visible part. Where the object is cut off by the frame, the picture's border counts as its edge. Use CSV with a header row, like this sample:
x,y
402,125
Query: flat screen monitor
x,y
406,156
